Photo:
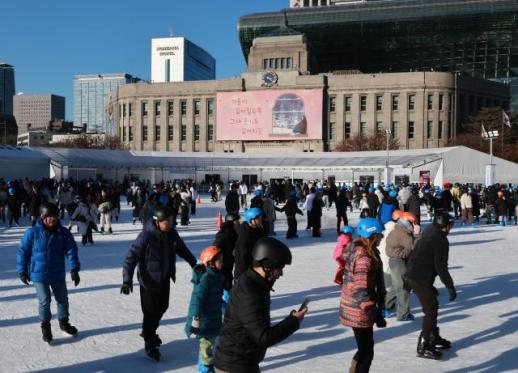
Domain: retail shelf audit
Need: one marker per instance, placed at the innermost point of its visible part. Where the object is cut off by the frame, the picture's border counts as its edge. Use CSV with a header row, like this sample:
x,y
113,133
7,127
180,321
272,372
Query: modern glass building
x,y
478,38
92,100
6,88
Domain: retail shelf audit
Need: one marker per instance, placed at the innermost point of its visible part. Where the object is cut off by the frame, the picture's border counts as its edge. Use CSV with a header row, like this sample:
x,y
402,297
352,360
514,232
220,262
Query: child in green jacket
x,y
205,318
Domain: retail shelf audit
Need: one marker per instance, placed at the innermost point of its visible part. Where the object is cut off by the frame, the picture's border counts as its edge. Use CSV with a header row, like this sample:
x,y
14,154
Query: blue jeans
x,y
59,289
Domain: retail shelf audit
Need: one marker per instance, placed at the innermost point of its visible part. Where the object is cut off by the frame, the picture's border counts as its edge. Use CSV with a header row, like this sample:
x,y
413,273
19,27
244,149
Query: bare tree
x,y
374,141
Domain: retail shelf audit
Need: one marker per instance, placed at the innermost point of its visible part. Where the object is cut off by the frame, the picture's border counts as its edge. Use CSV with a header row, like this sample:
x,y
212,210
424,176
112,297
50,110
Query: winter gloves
x,y
126,288
195,325
453,294
380,320
75,277
24,278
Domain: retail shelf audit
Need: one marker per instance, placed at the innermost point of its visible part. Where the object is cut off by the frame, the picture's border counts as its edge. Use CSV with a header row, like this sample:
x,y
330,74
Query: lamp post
x,y
490,168
387,175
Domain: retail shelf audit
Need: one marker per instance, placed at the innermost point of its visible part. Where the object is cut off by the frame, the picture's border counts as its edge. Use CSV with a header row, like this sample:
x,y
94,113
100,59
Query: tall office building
x,y
37,111
6,88
477,38
176,59
93,95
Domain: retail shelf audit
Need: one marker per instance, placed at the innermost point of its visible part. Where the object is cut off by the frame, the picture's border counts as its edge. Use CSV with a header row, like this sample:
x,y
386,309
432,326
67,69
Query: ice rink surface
x,y
482,324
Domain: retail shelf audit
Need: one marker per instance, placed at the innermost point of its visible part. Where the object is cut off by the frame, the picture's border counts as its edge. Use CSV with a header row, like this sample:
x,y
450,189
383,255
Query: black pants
x,y
365,341
292,227
193,207
154,304
427,296
341,216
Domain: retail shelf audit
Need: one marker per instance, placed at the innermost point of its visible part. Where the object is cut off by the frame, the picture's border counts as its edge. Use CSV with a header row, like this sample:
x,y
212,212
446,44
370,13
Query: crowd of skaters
x,y
380,261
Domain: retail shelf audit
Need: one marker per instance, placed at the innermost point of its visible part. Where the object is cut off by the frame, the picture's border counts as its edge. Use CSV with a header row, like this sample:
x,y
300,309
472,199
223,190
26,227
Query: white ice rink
x,y
482,324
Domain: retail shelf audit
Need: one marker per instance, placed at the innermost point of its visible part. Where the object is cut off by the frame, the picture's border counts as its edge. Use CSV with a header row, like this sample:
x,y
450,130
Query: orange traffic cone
x,y
219,220
198,200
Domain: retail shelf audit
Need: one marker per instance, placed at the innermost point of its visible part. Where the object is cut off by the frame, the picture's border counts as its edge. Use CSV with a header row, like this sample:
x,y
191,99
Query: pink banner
x,y
274,114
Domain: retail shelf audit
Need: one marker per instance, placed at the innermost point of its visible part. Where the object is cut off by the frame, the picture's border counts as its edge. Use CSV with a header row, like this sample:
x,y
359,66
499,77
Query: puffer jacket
x,y
342,242
246,239
363,290
388,206
247,331
399,242
42,253
206,301
149,251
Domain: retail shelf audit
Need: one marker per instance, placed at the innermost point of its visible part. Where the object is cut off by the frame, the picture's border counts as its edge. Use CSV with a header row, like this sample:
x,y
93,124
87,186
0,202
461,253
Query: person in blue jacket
x,y
41,258
205,309
387,207
155,251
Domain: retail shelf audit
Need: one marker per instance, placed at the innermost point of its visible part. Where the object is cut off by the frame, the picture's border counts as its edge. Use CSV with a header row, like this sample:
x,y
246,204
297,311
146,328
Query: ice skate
x,y
440,342
428,350
152,351
46,331
65,326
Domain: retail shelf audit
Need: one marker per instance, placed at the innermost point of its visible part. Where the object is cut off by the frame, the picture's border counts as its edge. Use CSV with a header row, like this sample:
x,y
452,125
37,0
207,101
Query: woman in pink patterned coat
x,y
363,291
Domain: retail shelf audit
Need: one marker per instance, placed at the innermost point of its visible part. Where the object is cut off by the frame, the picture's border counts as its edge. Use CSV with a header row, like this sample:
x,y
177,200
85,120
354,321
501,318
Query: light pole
x,y
490,168
387,175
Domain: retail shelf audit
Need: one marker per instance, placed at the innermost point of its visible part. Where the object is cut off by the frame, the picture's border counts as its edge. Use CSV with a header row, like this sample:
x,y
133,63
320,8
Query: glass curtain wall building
x,y
91,96
6,88
478,38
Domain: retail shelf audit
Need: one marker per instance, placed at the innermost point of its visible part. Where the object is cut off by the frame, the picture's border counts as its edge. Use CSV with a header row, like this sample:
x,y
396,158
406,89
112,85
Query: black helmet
x,y
271,253
232,217
48,209
162,212
442,220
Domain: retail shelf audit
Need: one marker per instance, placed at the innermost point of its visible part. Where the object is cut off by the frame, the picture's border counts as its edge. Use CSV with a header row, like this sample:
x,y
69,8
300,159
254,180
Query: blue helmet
x,y
11,191
368,226
258,192
252,213
393,194
371,189
344,187
426,191
347,229
438,193
163,199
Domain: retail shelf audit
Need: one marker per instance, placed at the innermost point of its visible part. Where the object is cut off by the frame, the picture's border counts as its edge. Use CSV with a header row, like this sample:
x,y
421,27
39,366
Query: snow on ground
x,y
482,323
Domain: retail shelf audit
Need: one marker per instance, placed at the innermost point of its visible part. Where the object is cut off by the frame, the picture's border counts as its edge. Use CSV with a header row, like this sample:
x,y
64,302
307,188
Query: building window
x,y
196,132
441,102
332,130
440,130
157,133
265,63
324,3
271,63
411,102
130,109
144,109
430,102
289,63
379,102
170,108
184,132
123,133
363,103
197,107
347,103
347,130
183,107
210,132
395,102
314,3
130,134
450,100
169,133
411,130
123,110
157,108
277,63
144,133
429,129
332,104
306,2
210,106
283,62
363,128
379,126
394,129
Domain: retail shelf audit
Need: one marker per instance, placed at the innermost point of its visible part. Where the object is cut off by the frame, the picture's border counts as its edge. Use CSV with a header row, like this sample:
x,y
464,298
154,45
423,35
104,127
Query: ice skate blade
x,y
429,357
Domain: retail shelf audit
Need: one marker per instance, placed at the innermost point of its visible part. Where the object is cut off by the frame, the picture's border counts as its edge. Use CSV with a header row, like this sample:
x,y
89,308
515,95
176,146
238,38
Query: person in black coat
x,y
249,233
35,200
226,240
232,201
341,209
291,209
154,251
414,205
373,202
247,331
501,207
428,259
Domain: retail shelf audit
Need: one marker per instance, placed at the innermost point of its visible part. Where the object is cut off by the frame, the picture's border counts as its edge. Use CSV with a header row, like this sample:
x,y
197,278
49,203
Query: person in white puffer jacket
x,y
466,206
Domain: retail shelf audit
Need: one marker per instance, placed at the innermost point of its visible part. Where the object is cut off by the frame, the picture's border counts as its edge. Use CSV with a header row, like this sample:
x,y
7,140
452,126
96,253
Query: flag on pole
x,y
484,132
505,119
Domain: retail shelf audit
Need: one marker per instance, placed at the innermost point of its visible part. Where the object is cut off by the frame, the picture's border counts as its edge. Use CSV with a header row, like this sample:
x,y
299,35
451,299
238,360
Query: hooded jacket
x,y
155,253
42,253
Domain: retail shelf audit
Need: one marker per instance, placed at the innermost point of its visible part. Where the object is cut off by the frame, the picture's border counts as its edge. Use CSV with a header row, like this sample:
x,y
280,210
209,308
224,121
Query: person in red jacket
x,y
363,291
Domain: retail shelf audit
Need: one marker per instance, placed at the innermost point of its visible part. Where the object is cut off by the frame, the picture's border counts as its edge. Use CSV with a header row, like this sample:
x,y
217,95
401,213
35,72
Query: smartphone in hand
x,y
304,304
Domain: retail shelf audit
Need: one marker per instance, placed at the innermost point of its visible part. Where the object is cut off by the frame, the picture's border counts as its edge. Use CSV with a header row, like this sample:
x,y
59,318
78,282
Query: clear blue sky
x,y
50,41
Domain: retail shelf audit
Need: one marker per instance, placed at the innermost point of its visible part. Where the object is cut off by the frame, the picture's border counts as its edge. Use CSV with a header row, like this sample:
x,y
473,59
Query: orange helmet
x,y
208,254
410,217
397,214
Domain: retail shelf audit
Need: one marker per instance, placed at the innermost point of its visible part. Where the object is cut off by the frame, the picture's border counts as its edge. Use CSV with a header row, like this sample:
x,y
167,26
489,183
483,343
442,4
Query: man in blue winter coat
x,y
41,258
155,251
